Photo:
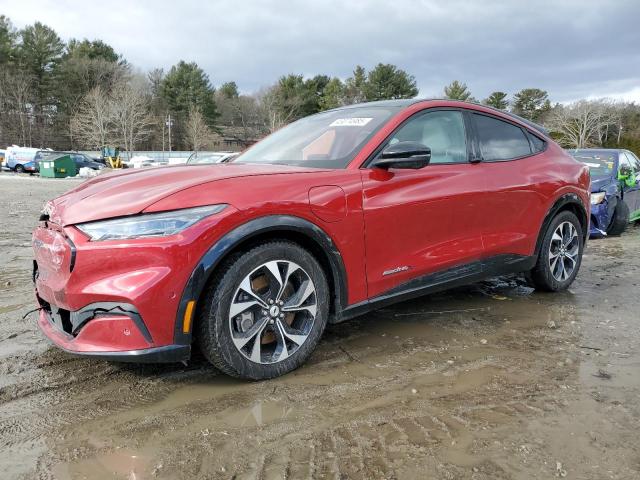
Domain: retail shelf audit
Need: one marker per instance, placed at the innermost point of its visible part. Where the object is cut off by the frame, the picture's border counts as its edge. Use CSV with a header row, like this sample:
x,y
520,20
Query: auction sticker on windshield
x,y
350,122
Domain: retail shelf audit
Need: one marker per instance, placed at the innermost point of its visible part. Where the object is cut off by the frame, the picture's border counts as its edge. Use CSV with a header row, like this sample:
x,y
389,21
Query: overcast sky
x,y
572,49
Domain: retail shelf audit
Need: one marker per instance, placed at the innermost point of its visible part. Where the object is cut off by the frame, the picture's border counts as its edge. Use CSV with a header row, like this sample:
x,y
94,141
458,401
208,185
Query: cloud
x,y
573,49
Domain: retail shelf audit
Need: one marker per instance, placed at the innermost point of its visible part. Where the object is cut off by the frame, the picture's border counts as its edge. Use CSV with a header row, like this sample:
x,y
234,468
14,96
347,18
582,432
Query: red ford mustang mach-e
x,y
336,214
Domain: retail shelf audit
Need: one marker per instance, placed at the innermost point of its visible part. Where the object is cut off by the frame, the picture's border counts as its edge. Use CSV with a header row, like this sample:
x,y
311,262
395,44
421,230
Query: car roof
x,y
586,151
404,103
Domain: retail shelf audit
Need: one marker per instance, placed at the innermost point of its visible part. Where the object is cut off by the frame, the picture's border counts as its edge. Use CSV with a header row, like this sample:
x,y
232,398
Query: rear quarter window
x,y
538,144
500,140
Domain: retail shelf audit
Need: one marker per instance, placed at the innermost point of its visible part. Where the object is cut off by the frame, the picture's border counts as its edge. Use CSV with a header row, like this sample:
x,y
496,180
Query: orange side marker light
x,y
188,314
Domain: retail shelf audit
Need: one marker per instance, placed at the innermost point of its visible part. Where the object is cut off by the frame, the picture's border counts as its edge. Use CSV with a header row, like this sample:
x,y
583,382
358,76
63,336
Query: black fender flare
x,y
253,228
564,200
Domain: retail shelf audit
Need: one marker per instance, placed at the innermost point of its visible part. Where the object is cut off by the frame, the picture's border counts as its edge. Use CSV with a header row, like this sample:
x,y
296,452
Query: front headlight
x,y
597,198
148,224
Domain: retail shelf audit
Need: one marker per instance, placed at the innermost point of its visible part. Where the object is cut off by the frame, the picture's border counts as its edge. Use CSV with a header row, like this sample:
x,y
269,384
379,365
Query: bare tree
x,y
77,76
583,123
198,134
118,117
129,105
241,118
248,118
16,95
275,112
92,124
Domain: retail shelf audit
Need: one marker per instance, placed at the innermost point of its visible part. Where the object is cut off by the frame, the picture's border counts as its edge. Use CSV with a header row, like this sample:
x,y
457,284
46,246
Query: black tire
x,y
213,330
620,219
19,168
541,276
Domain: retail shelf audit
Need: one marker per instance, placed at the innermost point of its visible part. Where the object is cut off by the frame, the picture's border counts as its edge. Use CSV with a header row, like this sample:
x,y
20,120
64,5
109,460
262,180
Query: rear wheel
x,y
265,312
560,254
620,219
19,169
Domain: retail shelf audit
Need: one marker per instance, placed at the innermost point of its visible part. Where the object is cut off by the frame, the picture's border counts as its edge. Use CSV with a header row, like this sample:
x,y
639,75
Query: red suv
x,y
332,216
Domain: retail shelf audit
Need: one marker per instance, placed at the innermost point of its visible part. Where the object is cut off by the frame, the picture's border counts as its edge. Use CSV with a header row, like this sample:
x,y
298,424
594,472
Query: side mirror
x,y
413,155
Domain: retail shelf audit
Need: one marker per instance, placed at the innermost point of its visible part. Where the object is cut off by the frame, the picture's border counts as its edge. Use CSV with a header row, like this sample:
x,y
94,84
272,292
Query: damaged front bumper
x,y
107,330
98,302
599,221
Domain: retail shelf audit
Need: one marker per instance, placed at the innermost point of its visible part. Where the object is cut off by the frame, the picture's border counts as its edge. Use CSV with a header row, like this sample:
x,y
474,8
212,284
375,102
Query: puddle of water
x,y
258,414
122,463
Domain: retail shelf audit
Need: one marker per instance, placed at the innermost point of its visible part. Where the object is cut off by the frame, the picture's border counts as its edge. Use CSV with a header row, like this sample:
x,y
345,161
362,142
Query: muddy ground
x,y
491,381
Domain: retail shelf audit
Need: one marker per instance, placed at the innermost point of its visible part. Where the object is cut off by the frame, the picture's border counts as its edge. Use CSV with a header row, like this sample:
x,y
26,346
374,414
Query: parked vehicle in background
x,y
144,161
330,217
16,157
85,161
615,189
81,160
31,167
205,158
110,157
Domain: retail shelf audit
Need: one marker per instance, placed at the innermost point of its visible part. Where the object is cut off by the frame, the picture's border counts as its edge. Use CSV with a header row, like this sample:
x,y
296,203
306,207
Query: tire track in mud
x,y
388,431
58,388
375,455
492,413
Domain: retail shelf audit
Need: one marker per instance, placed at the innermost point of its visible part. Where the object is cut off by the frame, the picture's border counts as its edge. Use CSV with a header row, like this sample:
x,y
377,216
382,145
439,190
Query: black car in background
x,y
81,159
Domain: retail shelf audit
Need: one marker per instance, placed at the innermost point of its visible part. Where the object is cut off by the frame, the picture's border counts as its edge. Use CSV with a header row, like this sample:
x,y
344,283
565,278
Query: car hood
x,y
599,184
131,191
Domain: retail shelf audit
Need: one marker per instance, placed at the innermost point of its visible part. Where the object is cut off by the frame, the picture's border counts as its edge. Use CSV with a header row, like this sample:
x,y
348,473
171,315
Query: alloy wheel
x,y
272,312
563,251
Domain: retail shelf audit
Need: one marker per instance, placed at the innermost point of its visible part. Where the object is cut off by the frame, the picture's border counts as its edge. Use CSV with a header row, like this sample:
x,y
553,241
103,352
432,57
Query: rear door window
x,y
500,140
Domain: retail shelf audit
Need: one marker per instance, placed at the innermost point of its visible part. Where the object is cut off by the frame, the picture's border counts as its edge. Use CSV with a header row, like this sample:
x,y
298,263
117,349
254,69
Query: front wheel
x,y
264,313
560,254
19,169
620,219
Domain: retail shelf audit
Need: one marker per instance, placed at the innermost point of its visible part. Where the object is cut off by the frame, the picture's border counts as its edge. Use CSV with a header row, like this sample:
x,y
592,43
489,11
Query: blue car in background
x,y
31,167
615,189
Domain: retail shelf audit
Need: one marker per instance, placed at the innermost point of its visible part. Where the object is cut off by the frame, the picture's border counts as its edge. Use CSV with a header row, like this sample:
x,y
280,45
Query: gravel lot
x,y
492,381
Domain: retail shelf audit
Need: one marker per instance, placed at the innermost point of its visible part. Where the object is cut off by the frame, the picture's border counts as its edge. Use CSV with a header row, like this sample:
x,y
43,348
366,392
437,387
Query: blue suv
x,y
615,189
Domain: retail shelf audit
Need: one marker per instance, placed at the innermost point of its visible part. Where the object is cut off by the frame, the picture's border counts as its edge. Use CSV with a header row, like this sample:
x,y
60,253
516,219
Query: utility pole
x,y
169,123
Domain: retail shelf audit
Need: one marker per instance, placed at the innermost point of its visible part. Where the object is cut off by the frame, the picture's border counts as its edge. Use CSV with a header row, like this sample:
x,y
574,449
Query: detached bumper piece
x,y
107,330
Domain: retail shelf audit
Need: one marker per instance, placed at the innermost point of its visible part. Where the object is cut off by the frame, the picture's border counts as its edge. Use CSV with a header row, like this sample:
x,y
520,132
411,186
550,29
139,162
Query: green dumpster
x,y
58,166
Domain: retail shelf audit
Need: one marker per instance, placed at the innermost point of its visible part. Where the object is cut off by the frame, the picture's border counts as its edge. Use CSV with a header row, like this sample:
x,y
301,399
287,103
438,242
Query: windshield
x,y
325,140
203,159
601,163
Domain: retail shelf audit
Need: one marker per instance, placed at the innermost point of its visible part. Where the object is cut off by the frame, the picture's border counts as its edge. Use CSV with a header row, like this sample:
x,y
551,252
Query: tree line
x,y
82,94
580,124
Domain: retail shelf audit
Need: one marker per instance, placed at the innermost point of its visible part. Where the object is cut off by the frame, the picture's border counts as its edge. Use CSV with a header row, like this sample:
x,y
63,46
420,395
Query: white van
x,y
16,157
